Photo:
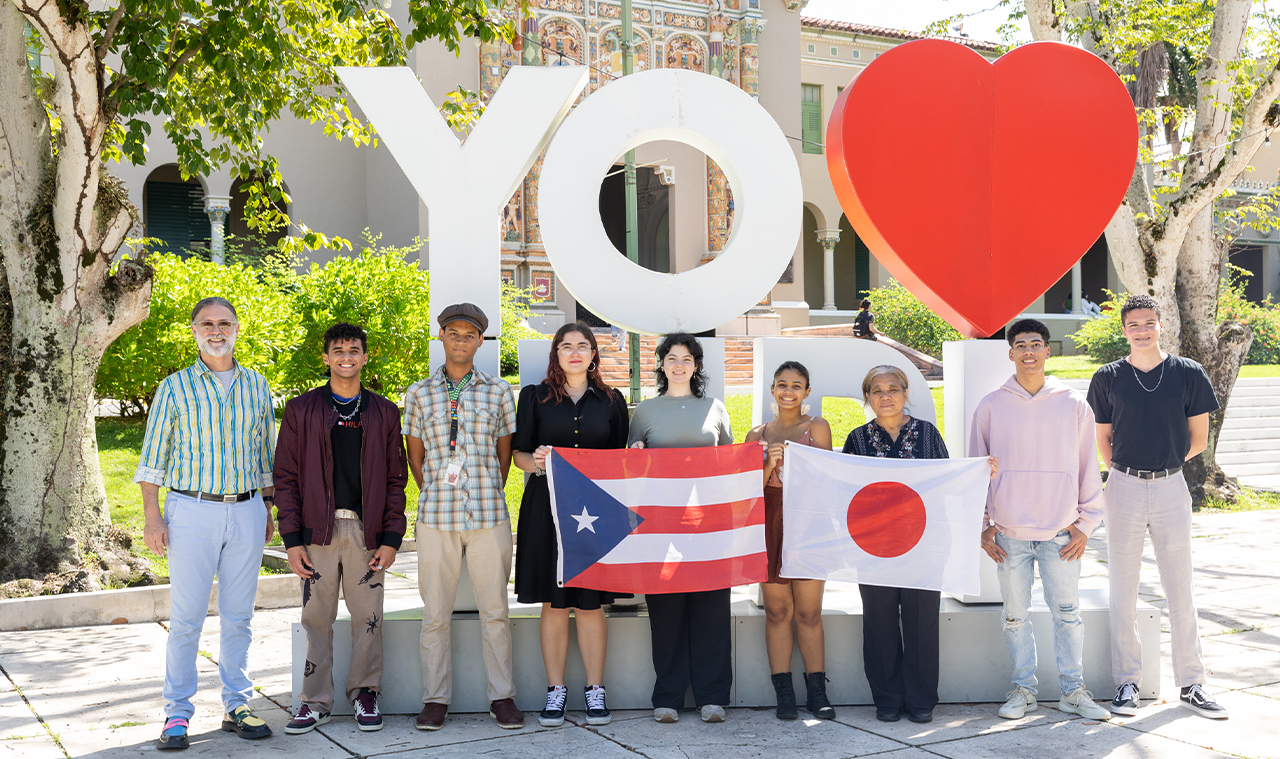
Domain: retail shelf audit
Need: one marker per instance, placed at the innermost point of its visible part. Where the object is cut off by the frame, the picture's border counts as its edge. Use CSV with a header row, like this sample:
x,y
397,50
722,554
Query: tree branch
x,y
104,47
116,232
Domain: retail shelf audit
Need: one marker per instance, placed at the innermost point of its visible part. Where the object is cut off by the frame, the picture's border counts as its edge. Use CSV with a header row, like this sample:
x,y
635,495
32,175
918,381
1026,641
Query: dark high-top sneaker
x,y
786,694
818,704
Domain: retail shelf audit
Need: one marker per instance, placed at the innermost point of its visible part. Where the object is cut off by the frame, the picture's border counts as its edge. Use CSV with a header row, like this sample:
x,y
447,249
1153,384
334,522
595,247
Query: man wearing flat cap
x,y
458,425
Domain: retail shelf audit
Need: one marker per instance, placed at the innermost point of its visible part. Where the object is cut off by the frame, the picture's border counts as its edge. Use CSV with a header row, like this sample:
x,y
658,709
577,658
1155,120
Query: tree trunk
x,y
60,303
1221,349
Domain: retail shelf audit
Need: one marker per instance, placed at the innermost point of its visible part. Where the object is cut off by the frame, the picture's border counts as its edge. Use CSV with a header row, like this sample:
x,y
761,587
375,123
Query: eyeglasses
x,y
568,350
208,327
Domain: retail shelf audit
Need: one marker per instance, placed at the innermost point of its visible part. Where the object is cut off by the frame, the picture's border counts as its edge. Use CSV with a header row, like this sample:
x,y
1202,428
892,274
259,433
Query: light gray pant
x,y
1162,506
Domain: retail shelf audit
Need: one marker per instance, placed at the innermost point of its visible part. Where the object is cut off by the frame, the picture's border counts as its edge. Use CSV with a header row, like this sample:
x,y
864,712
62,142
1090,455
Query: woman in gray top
x,y
691,631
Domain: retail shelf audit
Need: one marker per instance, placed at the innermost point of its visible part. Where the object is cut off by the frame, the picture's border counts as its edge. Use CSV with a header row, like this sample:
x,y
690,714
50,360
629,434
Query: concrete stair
x,y
1249,444
614,365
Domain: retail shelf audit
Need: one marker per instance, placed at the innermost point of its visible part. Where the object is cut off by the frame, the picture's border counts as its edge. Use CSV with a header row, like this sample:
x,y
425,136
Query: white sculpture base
x,y
975,663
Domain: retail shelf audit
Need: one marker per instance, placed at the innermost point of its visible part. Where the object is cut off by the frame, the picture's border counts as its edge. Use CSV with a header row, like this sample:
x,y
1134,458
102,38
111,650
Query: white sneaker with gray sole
x,y
1080,701
1021,701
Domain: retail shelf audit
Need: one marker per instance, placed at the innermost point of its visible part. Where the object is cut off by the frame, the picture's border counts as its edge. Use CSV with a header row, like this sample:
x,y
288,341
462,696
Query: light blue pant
x,y
1061,581
207,538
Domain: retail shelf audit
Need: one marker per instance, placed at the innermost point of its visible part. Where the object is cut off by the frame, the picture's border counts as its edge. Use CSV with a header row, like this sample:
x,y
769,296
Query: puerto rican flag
x,y
659,520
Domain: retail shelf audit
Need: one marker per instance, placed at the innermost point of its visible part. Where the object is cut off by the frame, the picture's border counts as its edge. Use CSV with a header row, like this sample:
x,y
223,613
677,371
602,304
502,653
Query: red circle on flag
x,y
886,519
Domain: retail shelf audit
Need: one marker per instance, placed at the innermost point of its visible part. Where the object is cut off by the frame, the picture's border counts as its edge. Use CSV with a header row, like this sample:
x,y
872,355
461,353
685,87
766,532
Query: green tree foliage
x,y
902,316
515,326
1101,336
161,344
381,290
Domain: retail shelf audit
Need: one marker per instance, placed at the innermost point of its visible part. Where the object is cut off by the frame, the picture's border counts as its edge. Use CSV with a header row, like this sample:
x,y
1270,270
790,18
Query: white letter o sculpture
x,y
713,116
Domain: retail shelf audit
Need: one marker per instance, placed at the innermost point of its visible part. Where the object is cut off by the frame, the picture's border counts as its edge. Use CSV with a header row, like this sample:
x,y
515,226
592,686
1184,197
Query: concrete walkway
x,y
95,692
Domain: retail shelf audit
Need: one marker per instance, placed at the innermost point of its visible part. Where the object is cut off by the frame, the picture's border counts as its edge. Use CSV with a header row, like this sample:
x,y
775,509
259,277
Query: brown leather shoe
x,y
431,717
508,716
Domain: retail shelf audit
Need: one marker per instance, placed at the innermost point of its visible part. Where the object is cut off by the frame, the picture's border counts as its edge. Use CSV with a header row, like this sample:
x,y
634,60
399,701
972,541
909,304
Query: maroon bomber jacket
x,y
303,471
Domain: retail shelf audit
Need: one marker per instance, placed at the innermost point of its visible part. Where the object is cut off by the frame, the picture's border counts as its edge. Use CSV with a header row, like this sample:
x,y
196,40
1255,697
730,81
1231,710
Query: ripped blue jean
x,y
1061,581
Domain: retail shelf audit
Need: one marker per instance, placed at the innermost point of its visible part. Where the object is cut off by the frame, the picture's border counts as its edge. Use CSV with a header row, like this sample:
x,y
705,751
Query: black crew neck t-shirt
x,y
1148,411
347,438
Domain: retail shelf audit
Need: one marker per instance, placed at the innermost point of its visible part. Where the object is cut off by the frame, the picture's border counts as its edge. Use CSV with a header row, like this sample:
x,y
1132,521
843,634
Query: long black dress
x,y
598,420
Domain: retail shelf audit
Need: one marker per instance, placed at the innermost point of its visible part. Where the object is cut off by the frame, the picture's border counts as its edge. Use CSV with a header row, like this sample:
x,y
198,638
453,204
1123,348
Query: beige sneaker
x,y
1020,702
666,716
1080,701
712,713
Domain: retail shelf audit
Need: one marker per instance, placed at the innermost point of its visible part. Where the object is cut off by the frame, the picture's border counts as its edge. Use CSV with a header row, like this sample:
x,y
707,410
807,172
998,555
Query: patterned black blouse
x,y
917,439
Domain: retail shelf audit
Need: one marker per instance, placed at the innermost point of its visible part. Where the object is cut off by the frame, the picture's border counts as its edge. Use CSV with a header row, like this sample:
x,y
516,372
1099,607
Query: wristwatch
x,y
268,499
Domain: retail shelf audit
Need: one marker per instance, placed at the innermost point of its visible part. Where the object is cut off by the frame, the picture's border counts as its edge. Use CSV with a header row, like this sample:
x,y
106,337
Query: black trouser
x,y
692,640
901,662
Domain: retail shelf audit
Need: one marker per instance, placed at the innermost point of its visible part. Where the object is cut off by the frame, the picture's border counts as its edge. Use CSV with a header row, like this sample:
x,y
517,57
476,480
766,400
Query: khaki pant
x,y
488,554
345,561
1163,506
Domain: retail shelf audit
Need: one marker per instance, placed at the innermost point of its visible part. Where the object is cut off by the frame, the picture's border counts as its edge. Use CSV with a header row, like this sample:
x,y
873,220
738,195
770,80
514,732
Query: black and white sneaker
x,y
553,714
597,712
1126,701
1195,699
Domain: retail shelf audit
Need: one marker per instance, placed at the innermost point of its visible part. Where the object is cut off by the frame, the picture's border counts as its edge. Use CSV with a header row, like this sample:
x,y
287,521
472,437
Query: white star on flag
x,y
584,520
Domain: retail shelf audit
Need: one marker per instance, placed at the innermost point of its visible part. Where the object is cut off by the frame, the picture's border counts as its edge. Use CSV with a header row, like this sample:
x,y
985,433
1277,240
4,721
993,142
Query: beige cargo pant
x,y
345,560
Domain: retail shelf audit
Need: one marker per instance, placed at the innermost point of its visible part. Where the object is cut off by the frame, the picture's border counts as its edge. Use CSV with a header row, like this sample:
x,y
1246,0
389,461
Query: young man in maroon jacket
x,y
340,474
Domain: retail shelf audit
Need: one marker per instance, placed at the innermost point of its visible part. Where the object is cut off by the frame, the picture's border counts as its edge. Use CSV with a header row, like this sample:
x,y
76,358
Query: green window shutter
x,y
811,118
862,267
175,215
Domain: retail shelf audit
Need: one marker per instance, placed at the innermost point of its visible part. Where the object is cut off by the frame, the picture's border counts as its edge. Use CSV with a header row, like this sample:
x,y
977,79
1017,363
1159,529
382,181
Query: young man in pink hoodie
x,y
1040,510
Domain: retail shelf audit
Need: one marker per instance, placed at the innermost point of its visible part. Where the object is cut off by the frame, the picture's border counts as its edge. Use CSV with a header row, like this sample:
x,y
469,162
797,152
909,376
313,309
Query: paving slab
x,y
400,733
745,733
16,718
950,722
1270,690
40,747
1267,638
1074,738
1232,736
1233,666
68,707
129,652
575,742
207,739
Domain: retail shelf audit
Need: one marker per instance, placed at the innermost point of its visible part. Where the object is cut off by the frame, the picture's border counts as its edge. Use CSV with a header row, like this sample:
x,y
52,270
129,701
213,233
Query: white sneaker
x,y
712,713
1020,702
1080,701
666,716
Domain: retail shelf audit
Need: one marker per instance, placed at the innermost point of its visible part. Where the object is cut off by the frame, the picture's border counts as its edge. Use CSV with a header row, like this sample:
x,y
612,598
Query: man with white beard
x,y
210,439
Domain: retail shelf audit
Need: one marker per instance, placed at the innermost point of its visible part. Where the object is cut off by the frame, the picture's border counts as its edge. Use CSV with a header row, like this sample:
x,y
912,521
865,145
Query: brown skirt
x,y
773,533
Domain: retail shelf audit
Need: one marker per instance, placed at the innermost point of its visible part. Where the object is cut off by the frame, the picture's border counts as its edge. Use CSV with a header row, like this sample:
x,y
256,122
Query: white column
x,y
828,239
1076,307
218,208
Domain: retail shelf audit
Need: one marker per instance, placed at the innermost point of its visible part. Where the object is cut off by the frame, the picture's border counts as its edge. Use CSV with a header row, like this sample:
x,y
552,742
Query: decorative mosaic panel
x,y
685,51
562,42
719,208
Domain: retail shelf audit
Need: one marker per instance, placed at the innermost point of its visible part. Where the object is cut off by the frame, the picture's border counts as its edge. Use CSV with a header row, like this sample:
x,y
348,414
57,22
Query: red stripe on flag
x,y
667,463
714,517
674,577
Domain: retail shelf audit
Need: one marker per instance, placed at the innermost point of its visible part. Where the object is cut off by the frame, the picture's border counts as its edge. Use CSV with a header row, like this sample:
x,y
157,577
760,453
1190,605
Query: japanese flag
x,y
904,523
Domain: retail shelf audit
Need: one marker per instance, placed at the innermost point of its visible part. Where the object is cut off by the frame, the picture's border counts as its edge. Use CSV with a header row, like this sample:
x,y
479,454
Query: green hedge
x,y
902,316
1103,340
283,316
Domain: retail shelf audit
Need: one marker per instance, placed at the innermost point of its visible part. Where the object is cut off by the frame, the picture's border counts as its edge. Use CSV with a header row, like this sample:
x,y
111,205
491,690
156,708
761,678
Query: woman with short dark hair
x,y
692,632
571,408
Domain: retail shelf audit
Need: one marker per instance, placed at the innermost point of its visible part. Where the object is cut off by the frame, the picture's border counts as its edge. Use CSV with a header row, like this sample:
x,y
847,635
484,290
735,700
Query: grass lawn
x,y
843,414
1083,367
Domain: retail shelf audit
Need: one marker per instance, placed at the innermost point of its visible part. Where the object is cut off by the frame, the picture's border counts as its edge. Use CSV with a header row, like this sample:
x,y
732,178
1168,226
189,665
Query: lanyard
x,y
455,394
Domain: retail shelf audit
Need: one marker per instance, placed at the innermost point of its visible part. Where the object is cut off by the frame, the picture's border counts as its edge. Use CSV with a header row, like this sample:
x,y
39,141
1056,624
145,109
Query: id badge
x,y
453,474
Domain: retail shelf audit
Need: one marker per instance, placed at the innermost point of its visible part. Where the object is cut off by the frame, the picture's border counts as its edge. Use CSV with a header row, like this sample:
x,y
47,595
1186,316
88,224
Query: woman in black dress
x,y
571,408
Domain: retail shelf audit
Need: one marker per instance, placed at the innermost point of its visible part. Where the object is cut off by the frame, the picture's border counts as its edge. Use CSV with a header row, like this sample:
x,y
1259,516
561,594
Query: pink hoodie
x,y
1049,476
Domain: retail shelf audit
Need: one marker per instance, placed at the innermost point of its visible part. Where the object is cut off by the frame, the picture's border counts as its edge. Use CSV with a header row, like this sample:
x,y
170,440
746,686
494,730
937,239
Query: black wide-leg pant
x,y
692,637
901,662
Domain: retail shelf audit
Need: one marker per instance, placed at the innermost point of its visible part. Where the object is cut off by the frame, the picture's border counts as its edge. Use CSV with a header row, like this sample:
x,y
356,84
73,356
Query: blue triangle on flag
x,y
591,521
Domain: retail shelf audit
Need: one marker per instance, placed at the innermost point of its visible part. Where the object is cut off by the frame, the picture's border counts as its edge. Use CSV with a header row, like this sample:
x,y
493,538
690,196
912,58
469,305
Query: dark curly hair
x,y
555,378
345,331
1136,302
698,382
792,366
1024,326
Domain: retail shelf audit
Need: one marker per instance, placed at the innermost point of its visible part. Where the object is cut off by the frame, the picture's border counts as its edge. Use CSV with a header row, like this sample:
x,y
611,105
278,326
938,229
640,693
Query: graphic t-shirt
x,y
1148,411
347,436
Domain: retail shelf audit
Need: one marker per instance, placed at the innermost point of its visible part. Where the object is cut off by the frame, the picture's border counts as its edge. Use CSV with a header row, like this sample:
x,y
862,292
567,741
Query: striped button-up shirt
x,y
202,437
486,412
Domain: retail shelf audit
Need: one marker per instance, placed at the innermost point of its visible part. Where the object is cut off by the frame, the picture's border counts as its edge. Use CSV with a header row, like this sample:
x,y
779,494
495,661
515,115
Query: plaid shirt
x,y
201,437
486,412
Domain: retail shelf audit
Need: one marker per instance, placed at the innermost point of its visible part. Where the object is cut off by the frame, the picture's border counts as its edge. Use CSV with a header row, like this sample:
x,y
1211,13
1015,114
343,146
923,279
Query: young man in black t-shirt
x,y
340,472
1152,412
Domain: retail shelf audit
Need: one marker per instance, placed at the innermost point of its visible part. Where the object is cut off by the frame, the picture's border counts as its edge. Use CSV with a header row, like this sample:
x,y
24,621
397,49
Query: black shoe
x,y
786,694
920,715
1126,701
888,715
553,714
246,724
1194,698
817,704
597,709
174,735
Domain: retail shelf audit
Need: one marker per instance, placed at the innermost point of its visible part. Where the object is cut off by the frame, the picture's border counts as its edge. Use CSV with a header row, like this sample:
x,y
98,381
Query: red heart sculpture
x,y
979,184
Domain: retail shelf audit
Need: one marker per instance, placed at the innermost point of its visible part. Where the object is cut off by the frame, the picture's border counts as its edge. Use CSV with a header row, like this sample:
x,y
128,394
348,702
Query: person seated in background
x,y
864,324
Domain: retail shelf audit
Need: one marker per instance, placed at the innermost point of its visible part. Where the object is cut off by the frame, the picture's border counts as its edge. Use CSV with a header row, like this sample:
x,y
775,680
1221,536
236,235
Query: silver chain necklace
x,y
354,411
1144,387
